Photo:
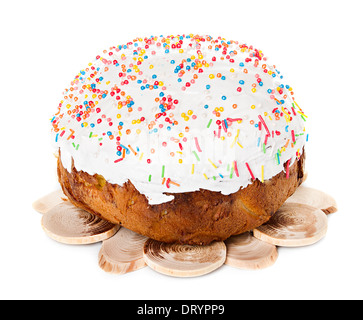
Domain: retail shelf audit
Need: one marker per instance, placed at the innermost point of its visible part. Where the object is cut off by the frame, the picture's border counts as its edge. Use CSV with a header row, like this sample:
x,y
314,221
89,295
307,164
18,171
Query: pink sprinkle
x,y
118,160
266,138
293,136
288,169
250,171
197,144
264,124
235,168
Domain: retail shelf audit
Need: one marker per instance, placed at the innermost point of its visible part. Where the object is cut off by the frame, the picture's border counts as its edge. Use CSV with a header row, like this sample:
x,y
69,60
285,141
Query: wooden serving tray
x,y
301,221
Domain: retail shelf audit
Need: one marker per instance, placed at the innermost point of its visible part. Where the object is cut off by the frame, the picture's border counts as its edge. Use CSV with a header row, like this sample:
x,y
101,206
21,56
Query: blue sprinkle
x,y
172,61
241,82
224,97
92,125
206,106
207,86
223,78
261,84
154,76
241,64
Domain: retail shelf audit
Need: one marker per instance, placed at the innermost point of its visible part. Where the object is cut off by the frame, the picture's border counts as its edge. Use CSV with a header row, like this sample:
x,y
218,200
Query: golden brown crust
x,y
191,218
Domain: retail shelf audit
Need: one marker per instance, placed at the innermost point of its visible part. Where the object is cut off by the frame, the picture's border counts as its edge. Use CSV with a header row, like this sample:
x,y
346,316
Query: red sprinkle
x,y
250,171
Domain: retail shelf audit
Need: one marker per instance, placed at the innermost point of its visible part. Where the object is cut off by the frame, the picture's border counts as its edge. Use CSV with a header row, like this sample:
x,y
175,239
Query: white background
x,y
317,45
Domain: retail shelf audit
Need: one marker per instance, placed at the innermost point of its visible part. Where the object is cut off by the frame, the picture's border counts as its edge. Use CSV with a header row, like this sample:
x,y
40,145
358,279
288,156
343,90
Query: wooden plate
x,y
68,224
184,260
122,253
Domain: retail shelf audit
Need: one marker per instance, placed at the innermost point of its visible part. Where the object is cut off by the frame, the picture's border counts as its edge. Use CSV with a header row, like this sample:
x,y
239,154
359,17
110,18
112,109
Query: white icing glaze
x,y
179,146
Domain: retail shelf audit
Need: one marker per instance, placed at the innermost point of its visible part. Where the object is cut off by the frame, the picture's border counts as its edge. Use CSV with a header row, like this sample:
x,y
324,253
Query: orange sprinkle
x,y
134,152
174,183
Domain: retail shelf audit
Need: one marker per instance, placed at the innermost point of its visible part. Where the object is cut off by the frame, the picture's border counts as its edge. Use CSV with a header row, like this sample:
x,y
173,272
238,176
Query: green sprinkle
x,y
210,122
149,177
196,155
231,175
162,172
264,148
90,135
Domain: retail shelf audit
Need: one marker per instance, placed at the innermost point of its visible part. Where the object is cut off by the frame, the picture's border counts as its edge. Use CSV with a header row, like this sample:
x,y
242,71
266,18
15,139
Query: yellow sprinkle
x,y
234,141
211,76
262,174
212,163
302,114
239,144
232,70
205,176
151,66
192,168
141,156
